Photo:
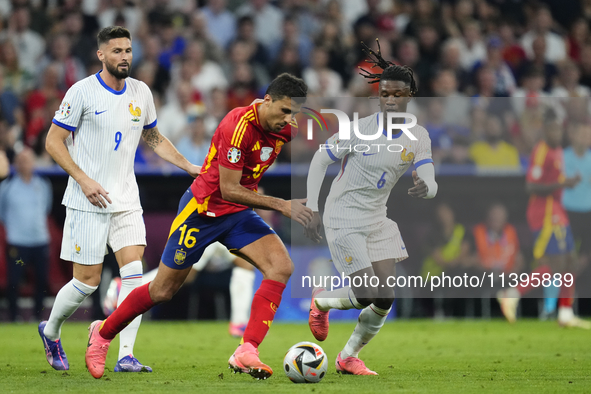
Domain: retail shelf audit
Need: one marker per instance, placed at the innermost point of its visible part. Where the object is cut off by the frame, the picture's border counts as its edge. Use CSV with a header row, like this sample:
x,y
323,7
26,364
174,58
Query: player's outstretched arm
x,y
424,182
544,189
233,191
316,173
55,146
165,149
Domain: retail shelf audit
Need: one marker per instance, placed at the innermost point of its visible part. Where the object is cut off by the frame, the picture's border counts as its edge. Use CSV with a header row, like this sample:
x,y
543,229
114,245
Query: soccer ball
x,y
110,301
305,362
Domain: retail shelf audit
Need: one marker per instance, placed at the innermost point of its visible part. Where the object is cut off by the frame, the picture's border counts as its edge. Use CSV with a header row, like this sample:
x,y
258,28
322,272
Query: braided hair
x,y
390,70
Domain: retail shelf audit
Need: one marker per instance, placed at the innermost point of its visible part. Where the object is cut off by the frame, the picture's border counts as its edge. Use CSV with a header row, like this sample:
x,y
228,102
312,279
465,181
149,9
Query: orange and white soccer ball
x,y
305,362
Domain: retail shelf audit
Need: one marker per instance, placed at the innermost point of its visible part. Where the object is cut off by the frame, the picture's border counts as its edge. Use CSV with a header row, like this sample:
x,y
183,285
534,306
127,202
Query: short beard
x,y
114,71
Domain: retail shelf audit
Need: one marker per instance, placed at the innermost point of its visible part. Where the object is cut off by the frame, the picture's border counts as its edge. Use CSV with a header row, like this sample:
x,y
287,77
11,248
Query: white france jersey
x,y
359,193
106,126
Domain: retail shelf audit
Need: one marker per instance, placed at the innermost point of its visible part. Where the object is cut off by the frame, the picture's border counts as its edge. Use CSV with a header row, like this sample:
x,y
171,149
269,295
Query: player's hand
x,y
312,230
572,182
194,170
296,210
95,193
420,189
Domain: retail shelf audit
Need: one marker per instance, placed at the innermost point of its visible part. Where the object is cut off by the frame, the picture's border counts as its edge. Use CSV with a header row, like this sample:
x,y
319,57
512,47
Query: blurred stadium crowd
x,y
204,57
201,58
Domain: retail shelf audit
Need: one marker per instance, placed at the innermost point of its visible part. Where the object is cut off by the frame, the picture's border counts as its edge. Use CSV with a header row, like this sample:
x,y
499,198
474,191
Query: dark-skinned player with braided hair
x,y
363,242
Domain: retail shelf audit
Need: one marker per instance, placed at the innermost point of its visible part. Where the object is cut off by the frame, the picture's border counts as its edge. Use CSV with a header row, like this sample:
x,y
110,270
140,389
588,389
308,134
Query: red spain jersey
x,y
239,143
546,167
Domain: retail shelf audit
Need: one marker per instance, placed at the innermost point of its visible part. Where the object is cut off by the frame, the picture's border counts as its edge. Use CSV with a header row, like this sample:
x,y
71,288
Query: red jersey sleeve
x,y
536,170
234,139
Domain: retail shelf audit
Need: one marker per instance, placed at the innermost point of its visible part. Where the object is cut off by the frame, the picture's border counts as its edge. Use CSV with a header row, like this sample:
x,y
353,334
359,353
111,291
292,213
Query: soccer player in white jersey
x,y
94,137
361,239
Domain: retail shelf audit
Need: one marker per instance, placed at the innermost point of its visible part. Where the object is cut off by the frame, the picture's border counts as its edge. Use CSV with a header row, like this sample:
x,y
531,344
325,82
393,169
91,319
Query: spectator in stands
x,y
206,74
10,106
16,78
36,103
71,69
82,45
450,59
568,82
577,39
221,23
287,62
472,47
504,81
294,38
497,243
441,132
331,38
30,44
541,26
195,145
216,109
513,53
456,104
121,10
585,66
537,60
173,117
494,152
267,19
246,33
531,94
152,48
241,52
173,44
460,152
243,89
321,80
25,202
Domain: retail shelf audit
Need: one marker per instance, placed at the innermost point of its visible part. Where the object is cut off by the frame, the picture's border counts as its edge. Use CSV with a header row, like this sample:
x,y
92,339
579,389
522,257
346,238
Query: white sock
x,y
565,313
241,289
342,298
131,277
371,319
149,276
68,299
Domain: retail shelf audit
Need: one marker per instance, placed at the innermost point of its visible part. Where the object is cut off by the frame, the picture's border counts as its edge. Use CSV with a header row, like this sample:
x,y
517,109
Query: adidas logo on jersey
x,y
257,146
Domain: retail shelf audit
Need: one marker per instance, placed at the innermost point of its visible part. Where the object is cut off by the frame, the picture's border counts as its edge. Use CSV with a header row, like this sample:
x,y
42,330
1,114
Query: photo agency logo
x,y
393,127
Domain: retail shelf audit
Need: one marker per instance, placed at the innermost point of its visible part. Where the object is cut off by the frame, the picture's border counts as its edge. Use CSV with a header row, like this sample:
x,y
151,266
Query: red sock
x,y
541,270
264,305
136,303
566,296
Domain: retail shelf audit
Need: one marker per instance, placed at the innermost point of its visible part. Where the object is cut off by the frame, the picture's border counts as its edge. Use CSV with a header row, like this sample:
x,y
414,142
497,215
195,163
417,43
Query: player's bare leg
x,y
85,281
167,282
129,259
270,256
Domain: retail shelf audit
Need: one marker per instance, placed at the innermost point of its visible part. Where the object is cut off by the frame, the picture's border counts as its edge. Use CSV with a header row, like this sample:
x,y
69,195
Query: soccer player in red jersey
x,y
547,218
218,207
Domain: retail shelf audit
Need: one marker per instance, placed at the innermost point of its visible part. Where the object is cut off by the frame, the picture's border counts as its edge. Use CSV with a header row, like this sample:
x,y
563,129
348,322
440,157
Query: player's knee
x,y
280,271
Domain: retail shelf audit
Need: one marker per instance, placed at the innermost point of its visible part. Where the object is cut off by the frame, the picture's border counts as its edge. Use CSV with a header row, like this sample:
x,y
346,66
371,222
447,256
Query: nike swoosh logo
x,y
365,154
98,113
404,247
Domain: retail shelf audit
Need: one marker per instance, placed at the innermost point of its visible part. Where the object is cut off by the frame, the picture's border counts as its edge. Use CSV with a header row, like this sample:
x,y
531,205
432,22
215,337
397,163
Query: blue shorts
x,y
191,232
553,240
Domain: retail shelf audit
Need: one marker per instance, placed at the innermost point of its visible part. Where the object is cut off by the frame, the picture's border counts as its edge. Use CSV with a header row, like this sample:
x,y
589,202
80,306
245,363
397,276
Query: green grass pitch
x,y
418,356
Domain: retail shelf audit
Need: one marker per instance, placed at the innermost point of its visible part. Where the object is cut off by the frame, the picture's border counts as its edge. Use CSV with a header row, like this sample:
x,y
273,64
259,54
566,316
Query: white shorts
x,y
86,234
353,249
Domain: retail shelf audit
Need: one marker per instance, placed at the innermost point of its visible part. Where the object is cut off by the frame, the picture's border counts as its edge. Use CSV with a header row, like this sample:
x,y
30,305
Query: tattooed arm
x,y
165,149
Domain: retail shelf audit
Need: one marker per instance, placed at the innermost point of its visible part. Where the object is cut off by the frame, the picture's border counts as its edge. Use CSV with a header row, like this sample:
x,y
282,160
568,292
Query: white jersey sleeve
x,y
337,148
70,112
151,120
423,149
